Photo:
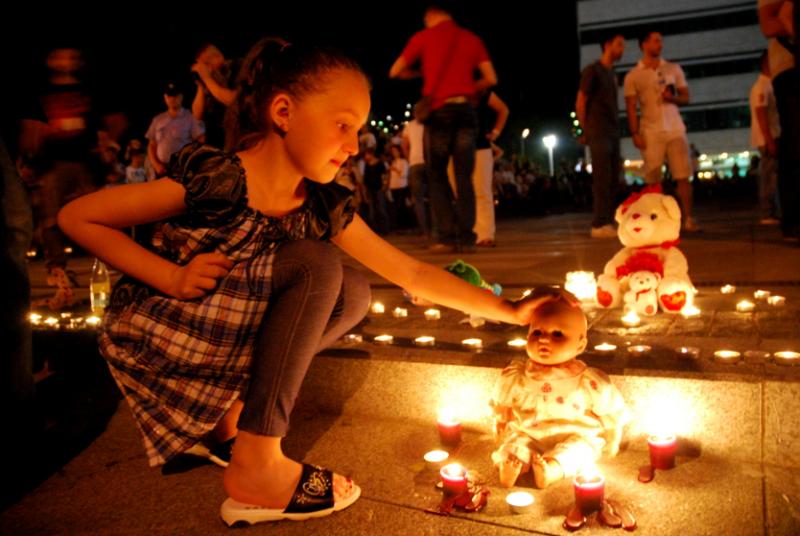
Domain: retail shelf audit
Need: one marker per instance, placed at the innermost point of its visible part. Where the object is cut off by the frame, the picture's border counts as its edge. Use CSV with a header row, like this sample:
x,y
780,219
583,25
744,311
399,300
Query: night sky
x,y
131,53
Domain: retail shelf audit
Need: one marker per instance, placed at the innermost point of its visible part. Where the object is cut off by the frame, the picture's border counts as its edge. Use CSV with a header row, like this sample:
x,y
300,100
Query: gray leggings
x,y
314,300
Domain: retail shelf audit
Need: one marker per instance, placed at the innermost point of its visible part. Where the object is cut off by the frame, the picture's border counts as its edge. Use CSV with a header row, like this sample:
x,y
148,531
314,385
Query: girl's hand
x,y
199,276
524,308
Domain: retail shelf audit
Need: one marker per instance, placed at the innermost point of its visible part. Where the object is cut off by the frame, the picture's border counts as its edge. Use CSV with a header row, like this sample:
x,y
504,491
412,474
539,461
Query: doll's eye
x,y
537,332
557,333
653,216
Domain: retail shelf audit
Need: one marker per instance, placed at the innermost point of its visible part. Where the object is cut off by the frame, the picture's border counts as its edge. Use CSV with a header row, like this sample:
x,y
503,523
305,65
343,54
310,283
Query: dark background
x,y
132,49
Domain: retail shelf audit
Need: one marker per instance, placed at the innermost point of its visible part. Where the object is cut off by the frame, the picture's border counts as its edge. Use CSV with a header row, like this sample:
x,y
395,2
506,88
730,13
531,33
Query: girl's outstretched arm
x,y
428,281
95,222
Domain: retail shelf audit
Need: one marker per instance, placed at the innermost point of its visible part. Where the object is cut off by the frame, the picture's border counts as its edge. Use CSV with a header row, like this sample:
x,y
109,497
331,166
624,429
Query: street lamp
x,y
550,142
525,133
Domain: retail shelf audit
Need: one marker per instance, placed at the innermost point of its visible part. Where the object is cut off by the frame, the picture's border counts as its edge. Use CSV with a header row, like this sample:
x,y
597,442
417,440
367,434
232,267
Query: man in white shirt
x,y
658,87
765,130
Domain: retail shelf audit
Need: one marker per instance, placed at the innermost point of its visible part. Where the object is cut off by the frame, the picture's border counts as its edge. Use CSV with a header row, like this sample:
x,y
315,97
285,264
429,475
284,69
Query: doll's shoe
x,y
545,472
313,497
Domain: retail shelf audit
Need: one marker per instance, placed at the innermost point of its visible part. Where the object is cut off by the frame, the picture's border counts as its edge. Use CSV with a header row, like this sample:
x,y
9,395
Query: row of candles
x,y
64,321
783,357
588,484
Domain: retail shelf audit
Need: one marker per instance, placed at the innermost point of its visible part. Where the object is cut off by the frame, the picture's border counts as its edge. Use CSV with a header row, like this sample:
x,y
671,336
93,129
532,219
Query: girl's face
x,y
322,128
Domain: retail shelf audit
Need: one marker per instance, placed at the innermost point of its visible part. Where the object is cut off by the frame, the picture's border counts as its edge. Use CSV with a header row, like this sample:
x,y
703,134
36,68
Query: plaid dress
x,y
180,364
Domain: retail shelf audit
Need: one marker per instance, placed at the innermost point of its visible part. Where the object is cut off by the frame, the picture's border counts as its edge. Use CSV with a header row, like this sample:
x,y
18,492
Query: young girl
x,y
211,334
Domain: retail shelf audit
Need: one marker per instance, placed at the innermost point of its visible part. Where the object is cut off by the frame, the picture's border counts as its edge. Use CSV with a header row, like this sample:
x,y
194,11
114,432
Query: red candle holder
x,y
454,479
449,431
589,492
662,451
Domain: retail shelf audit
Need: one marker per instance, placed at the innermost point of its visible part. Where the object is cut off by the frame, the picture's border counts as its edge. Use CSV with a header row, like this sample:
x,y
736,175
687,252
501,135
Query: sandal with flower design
x,y
313,497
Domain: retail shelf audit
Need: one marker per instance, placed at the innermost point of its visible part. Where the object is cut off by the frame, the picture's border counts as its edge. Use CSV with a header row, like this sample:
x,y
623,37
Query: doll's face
x,y
557,333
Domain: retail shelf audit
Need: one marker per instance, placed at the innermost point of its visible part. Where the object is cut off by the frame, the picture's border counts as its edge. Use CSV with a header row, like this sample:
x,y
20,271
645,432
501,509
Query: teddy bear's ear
x,y
619,215
671,206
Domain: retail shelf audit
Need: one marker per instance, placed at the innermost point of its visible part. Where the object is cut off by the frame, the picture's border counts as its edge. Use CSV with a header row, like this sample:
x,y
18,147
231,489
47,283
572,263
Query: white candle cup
x,y
520,502
727,356
786,357
35,318
472,344
51,321
517,343
527,292
434,459
425,340
605,348
639,350
353,338
384,340
400,312
776,301
94,320
432,314
631,319
378,308
688,352
745,306
762,294
727,289
690,311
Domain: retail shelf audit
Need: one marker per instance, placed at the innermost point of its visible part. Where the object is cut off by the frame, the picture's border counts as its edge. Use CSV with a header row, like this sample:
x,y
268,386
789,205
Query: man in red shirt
x,y
449,56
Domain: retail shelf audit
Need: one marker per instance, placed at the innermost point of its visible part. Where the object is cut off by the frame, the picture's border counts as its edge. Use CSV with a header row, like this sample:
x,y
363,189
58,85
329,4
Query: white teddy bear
x,y
649,227
642,295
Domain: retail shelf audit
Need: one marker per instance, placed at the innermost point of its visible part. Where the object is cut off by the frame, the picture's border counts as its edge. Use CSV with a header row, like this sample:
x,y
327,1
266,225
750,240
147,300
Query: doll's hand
x,y
524,308
199,276
499,430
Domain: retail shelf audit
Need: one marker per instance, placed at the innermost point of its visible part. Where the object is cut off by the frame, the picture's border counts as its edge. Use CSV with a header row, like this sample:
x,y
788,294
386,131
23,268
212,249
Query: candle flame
x,y
582,284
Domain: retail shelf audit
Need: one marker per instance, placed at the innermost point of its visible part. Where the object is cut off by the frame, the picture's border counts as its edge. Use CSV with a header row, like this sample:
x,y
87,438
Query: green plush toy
x,y
471,275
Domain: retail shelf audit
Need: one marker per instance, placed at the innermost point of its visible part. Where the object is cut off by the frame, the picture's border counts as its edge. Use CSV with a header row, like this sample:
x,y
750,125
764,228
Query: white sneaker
x,y
606,231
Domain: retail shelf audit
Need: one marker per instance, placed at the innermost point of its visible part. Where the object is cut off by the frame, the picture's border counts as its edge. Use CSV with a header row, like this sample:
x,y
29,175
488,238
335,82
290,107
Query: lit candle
x,y
473,344
727,289
425,340
662,451
758,355
449,427
582,284
639,349
690,311
631,319
688,352
745,306
66,315
605,348
35,318
454,479
527,292
727,356
68,250
435,458
761,294
520,502
94,320
518,343
383,339
433,314
786,357
776,301
378,308
353,338
400,312
51,321
31,253
589,490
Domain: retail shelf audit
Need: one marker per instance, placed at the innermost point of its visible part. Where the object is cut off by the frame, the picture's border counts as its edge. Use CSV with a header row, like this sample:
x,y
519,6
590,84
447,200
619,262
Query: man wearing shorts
x,y
658,87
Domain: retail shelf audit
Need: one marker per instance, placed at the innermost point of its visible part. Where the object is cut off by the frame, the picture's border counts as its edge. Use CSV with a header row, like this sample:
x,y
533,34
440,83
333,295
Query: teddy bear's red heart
x,y
675,301
604,298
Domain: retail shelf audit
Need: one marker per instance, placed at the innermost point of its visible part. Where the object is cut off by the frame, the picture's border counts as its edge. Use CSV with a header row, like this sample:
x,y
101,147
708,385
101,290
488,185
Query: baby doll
x,y
553,413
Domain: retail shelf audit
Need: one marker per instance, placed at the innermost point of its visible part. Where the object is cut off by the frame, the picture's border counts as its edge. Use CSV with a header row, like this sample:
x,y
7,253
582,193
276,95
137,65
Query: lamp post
x,y
550,142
